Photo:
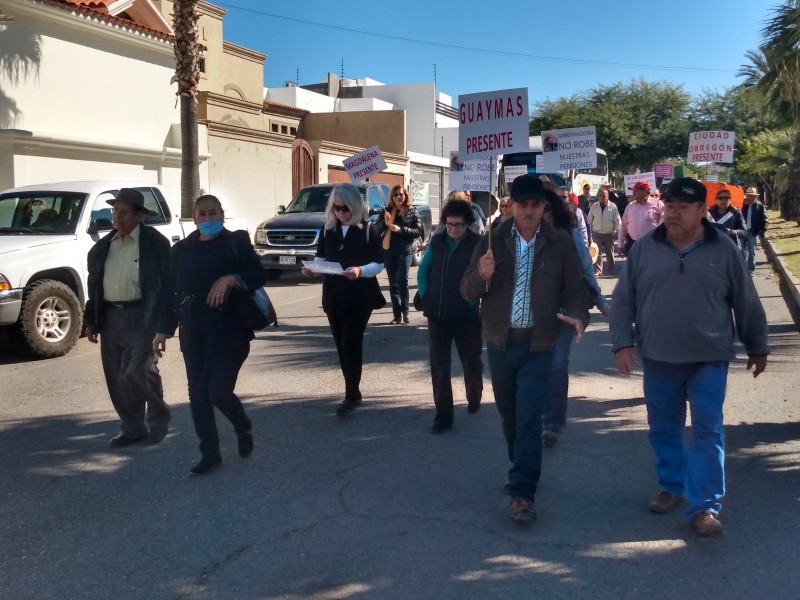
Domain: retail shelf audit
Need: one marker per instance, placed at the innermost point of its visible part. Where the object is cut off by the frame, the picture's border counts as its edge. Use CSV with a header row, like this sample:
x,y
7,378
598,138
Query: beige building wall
x,y
386,129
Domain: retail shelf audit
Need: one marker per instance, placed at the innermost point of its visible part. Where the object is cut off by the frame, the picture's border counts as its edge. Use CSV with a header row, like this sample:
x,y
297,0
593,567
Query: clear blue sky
x,y
554,48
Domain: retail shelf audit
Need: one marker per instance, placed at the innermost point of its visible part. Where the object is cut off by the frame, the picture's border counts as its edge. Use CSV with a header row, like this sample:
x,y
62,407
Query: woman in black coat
x,y
348,299
402,224
209,269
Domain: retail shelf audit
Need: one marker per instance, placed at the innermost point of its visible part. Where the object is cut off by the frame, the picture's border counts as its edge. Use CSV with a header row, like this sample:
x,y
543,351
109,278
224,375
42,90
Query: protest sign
x,y
565,149
365,164
711,146
471,175
514,171
649,177
664,170
492,123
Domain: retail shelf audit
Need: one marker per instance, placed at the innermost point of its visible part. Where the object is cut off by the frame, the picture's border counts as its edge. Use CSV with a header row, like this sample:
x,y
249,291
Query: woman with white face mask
x,y
209,267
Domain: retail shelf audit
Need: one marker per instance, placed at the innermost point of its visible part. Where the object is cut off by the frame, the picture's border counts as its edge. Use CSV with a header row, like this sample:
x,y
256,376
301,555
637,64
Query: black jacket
x,y
735,223
410,229
443,299
153,277
361,246
758,222
196,265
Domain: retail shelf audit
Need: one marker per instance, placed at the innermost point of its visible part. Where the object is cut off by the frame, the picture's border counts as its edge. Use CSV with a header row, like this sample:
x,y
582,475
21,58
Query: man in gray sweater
x,y
684,287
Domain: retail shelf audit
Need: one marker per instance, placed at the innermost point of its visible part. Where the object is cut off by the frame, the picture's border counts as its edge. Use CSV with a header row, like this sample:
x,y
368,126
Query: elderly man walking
x,y
756,224
529,282
604,218
686,289
128,269
642,215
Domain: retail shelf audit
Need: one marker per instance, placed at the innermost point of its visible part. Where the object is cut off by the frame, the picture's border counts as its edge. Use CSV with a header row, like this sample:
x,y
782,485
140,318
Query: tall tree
x,y
187,74
774,75
638,123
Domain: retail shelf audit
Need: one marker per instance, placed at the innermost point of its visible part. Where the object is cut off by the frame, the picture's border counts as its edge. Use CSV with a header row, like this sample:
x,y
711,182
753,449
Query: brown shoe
x,y
663,503
707,525
522,511
549,438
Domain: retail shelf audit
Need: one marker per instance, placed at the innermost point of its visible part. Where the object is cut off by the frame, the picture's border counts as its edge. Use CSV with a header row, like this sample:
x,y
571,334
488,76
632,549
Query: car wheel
x,y
50,319
417,252
274,274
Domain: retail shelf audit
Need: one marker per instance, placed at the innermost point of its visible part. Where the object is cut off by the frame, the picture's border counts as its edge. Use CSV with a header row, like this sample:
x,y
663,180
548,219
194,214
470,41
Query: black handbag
x,y
247,310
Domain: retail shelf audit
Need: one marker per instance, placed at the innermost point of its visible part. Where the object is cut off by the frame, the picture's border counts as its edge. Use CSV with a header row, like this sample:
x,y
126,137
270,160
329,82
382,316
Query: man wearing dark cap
x,y
684,287
642,215
128,269
528,281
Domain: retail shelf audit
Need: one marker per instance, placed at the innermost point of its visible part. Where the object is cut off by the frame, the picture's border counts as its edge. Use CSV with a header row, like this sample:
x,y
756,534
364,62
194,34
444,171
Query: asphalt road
x,y
374,506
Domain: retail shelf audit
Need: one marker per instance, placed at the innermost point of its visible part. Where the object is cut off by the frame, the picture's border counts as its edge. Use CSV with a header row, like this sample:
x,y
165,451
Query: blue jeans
x,y
699,473
521,383
749,251
555,409
397,266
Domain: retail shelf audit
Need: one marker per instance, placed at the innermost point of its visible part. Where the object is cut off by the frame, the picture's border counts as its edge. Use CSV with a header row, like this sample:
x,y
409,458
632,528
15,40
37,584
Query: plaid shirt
x,y
521,314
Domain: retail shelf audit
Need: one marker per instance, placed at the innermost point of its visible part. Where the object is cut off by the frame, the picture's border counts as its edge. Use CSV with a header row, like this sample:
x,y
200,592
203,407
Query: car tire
x,y
274,274
417,252
50,319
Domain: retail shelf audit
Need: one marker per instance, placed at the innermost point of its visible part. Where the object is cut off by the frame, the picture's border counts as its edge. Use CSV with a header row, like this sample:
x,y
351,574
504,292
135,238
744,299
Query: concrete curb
x,y
791,282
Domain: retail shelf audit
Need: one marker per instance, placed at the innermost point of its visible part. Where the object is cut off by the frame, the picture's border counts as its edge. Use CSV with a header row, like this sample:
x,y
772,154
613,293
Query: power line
x,y
384,36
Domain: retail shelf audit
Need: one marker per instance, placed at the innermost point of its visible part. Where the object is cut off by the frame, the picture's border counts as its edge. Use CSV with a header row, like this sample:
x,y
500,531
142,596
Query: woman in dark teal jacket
x,y
451,318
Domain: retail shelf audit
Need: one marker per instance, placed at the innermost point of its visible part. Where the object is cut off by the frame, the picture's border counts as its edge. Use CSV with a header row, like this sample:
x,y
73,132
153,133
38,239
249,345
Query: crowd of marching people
x,y
521,285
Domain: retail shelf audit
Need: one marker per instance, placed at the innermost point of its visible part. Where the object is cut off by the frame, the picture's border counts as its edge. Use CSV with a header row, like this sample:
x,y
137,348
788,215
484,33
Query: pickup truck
x,y
46,232
286,240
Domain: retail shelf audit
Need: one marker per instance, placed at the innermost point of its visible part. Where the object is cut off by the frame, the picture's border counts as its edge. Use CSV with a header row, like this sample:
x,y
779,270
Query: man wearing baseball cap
x,y
642,215
684,287
529,282
756,224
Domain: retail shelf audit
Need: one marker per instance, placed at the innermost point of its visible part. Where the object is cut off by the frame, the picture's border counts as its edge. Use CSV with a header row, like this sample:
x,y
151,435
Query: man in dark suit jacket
x,y
128,271
756,224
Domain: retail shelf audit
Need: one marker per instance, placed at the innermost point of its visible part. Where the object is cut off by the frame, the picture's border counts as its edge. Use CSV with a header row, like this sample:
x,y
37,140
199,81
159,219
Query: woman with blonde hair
x,y
400,227
349,299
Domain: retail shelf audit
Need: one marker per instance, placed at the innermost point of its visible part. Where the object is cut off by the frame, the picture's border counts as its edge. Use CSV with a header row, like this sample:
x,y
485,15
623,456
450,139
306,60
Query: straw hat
x,y
752,191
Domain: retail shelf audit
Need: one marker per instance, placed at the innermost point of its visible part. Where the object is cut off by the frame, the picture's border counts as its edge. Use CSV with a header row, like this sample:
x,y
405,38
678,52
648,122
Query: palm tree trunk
x,y
790,202
187,74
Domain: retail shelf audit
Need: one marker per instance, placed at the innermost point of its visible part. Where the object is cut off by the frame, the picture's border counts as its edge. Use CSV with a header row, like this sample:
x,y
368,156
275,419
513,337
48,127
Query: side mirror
x,y
281,209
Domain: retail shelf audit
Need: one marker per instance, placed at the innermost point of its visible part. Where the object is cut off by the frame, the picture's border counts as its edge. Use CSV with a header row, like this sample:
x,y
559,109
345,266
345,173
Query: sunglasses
x,y
341,208
723,197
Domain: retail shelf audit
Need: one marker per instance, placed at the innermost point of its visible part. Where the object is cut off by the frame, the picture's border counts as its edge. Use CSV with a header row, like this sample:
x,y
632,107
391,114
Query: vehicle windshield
x,y
40,212
313,199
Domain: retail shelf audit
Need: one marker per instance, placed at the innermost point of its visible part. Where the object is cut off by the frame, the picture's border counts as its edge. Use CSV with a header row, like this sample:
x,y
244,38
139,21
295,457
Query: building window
x,y
293,130
201,64
274,127
284,129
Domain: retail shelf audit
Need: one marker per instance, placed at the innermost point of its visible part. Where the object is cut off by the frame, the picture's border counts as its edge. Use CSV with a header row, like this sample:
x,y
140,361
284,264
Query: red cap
x,y
640,185
573,198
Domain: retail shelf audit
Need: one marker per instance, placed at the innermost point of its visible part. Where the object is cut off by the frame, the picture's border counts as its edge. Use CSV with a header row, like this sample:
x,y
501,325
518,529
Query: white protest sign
x,y
539,163
712,178
471,175
514,171
492,123
565,149
649,177
711,146
365,164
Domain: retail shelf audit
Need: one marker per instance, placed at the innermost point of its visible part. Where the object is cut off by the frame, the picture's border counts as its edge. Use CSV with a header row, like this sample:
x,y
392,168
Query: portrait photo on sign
x,y
550,143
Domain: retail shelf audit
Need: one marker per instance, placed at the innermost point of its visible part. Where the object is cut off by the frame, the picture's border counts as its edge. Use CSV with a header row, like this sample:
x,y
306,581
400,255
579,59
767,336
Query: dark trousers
x,y
212,379
521,383
134,384
468,340
348,333
605,243
397,266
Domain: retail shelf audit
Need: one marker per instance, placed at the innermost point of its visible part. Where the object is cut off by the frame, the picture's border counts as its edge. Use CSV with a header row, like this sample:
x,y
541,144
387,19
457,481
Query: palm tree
x,y
187,74
774,75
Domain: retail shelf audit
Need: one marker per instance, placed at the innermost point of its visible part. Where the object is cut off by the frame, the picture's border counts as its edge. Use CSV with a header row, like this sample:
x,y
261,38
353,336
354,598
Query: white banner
x,y
565,149
492,123
539,163
649,177
365,164
471,175
711,146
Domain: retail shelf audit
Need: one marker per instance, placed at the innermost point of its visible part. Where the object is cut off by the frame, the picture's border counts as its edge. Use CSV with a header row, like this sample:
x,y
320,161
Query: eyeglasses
x,y
398,193
723,197
341,208
504,205
454,225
